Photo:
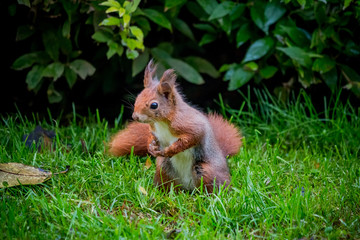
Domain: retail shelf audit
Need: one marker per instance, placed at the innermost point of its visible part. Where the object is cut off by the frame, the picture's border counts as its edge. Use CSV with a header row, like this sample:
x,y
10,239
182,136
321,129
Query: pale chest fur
x,y
182,162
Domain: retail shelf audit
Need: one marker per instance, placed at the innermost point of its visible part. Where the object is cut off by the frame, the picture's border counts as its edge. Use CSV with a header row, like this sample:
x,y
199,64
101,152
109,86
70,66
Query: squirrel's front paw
x,y
154,149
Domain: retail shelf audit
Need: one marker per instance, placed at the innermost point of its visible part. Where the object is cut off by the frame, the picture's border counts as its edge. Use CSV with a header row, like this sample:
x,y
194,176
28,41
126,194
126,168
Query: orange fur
x,y
226,134
134,135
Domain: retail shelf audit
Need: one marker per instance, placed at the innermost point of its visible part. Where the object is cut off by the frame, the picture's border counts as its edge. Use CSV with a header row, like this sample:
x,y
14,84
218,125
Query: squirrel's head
x,y
158,100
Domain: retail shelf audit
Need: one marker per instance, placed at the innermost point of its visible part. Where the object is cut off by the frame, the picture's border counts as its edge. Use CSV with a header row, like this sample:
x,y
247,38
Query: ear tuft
x,y
149,73
169,76
167,83
165,89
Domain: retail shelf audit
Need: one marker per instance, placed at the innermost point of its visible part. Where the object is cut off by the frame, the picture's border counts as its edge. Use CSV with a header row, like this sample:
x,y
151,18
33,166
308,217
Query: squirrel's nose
x,y
135,117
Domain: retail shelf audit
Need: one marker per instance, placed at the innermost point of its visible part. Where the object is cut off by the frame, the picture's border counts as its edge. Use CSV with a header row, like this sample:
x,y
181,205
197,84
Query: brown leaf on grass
x,y
13,174
148,163
316,165
143,191
83,146
40,138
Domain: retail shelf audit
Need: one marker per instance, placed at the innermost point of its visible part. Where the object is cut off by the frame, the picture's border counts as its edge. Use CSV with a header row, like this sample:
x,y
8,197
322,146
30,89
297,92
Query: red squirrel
x,y
190,146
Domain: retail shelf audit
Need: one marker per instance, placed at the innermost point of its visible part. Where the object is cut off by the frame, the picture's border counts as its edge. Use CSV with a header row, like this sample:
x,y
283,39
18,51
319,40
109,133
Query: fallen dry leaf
x,y
148,163
316,165
39,137
143,191
13,174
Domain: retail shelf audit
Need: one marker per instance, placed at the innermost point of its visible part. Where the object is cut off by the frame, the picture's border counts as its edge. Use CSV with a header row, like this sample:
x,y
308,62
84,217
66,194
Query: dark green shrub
x,y
310,42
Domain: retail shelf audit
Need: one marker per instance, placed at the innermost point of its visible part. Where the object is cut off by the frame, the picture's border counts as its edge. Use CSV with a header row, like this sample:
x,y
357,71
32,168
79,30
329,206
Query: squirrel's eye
x,y
154,105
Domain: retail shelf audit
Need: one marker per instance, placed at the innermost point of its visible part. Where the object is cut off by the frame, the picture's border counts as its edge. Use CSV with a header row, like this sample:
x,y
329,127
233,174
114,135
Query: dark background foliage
x,y
84,56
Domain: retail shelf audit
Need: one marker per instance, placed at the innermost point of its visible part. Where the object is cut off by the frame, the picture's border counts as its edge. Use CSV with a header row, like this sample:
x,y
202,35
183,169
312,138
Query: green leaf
x,y
268,72
27,60
173,3
239,78
331,78
264,17
133,44
243,34
207,38
101,36
347,3
140,63
112,49
208,5
205,27
112,9
120,50
226,67
273,12
137,32
306,77
251,66
182,27
70,76
297,35
350,74
320,13
257,15
54,70
352,49
302,2
318,40
70,7
158,18
298,55
34,76
225,24
111,21
202,66
23,32
82,68
229,73
65,46
167,47
126,18
185,70
222,9
24,2
196,10
259,49
66,29
51,43
160,54
131,54
53,95
237,11
134,6
111,3
323,65
122,11
143,23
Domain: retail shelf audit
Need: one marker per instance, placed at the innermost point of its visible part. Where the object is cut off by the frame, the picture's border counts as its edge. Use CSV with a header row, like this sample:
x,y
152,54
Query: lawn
x,y
297,176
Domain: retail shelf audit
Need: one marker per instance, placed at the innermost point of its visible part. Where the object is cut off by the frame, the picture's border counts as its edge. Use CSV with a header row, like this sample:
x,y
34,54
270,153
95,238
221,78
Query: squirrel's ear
x,y
149,73
167,83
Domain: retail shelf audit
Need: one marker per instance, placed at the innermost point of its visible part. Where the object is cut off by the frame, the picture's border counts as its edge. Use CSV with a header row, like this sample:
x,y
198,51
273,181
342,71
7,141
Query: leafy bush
x,y
310,42
53,31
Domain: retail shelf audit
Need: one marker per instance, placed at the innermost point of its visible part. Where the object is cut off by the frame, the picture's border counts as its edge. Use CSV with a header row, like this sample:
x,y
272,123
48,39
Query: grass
x,y
296,177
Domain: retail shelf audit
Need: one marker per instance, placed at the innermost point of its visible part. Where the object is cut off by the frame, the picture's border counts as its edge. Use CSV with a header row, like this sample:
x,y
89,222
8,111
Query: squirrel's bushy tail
x,y
134,135
226,134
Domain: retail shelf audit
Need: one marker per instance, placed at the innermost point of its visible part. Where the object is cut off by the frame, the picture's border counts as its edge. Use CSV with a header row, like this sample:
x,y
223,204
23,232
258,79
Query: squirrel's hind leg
x,y
209,175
